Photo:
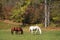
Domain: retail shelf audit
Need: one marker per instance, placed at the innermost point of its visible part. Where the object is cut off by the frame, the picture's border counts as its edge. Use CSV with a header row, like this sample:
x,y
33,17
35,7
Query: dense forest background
x,y
30,11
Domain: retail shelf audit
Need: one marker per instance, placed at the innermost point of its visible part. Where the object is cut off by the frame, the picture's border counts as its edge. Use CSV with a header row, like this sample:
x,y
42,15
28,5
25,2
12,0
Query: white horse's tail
x,y
40,31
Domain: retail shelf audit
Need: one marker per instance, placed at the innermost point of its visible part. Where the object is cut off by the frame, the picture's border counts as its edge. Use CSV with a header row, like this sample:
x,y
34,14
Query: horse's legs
x,y
36,31
16,32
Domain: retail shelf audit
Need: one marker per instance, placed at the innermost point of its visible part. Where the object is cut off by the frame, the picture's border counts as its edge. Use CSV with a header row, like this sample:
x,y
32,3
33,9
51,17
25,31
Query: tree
x,y
19,10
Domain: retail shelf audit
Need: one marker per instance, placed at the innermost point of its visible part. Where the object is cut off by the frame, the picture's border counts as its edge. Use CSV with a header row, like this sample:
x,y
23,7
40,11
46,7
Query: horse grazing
x,y
16,30
35,29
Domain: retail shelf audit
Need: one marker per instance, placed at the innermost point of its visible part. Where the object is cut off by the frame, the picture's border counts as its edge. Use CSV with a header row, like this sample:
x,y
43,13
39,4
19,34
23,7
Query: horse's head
x,y
21,30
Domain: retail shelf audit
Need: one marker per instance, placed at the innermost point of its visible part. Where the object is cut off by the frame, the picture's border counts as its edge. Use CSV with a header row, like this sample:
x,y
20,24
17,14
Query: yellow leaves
x,y
23,8
56,18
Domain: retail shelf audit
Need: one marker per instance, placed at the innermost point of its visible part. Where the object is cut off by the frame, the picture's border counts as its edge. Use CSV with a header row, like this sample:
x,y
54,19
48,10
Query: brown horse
x,y
16,30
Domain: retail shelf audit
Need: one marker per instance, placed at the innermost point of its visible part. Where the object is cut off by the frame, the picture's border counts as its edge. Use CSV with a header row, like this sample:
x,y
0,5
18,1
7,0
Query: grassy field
x,y
5,34
46,35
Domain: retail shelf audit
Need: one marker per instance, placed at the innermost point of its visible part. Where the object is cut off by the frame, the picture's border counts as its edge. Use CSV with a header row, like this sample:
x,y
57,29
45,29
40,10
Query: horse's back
x,y
31,27
16,28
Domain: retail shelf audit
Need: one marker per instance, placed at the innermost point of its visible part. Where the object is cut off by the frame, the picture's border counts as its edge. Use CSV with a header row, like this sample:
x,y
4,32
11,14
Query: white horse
x,y
35,28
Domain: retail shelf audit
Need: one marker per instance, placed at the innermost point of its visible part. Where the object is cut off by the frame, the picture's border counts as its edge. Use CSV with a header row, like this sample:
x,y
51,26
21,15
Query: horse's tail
x,y
40,30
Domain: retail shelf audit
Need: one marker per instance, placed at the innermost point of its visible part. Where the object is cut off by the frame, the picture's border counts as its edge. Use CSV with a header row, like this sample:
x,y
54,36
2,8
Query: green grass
x,y
46,35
